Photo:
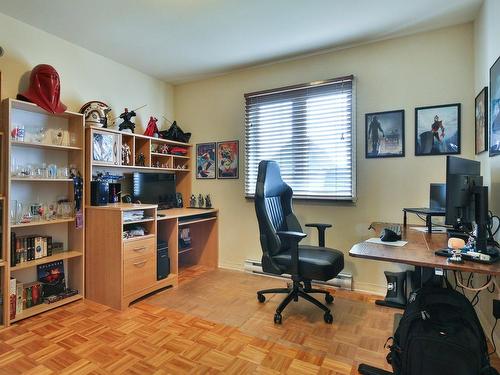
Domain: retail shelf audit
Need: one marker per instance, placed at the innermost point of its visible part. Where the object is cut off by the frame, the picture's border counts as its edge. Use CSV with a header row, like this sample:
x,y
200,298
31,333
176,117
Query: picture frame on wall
x,y
495,108
228,157
385,134
437,130
481,121
206,161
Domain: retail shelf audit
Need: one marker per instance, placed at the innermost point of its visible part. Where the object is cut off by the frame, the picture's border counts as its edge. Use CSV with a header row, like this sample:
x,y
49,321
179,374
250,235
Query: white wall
x,y
84,75
486,51
424,69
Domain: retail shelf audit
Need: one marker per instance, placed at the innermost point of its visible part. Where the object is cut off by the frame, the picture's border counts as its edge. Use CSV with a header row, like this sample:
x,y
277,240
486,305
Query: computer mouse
x,y
388,235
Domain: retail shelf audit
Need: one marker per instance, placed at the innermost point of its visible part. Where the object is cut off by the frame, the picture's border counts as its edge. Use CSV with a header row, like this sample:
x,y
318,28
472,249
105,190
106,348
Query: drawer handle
x,y
138,264
139,248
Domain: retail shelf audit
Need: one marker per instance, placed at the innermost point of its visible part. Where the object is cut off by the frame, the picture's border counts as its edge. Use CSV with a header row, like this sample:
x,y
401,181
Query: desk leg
x,y
396,290
404,218
428,222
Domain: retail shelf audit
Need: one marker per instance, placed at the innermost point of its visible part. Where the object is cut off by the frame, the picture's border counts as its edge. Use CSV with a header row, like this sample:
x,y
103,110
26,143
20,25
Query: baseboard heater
x,y
343,280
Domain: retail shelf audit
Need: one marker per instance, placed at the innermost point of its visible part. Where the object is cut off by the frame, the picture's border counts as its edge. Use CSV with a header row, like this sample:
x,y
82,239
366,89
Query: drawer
x,y
134,248
139,273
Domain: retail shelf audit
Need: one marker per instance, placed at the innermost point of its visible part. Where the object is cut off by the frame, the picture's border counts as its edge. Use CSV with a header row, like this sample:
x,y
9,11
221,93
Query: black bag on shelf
x,y
175,133
439,334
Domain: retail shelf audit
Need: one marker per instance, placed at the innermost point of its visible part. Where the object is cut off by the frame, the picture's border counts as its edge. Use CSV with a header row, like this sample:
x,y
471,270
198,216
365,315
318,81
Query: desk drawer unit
x,y
132,249
139,273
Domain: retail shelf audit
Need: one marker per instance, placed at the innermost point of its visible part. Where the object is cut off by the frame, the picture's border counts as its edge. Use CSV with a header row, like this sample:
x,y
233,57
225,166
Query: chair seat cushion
x,y
318,263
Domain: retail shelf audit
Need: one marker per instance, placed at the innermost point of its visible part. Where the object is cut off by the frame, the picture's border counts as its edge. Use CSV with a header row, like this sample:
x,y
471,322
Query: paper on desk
x,y
434,229
380,242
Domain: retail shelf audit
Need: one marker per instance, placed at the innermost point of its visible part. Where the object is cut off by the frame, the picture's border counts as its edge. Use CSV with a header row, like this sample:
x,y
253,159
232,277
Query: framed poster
x,y
385,134
481,121
228,155
437,130
495,108
205,161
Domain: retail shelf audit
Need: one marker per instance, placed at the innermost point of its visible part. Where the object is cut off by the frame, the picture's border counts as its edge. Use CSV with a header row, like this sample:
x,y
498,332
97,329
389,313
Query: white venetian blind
x,y
308,130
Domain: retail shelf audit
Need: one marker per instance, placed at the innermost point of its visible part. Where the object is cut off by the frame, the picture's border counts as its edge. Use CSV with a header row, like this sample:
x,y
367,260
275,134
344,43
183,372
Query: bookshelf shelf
x,y
43,145
59,256
138,221
38,309
42,222
24,190
188,222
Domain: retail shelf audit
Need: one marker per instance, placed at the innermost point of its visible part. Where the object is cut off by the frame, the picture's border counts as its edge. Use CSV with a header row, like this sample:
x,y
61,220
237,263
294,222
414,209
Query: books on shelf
x,y
30,247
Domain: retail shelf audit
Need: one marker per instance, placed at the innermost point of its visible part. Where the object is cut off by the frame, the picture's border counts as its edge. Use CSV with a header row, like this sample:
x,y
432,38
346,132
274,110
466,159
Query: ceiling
x,y
183,40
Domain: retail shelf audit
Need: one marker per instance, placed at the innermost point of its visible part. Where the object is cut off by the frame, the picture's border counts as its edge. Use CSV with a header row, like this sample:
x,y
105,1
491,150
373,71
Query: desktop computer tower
x,y
162,260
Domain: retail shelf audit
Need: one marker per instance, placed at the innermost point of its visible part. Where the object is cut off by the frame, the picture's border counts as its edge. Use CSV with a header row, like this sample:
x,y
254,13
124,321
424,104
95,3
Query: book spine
x,y
38,247
49,246
12,298
19,298
13,247
44,246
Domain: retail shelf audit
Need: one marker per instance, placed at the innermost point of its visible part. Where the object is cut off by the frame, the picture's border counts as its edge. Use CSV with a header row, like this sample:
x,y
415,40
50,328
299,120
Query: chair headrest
x,y
269,181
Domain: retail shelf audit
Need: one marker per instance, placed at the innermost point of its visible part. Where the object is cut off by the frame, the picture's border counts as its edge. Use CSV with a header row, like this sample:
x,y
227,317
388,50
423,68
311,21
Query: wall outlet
x,y
496,308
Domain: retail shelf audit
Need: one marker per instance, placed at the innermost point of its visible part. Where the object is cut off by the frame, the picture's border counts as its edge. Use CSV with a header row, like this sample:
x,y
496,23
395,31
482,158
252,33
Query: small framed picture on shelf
x,y
205,161
385,134
495,108
437,130
228,155
481,121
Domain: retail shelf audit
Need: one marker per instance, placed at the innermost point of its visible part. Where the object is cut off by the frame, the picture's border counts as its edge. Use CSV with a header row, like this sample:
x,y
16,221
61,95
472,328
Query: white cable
x,y
485,286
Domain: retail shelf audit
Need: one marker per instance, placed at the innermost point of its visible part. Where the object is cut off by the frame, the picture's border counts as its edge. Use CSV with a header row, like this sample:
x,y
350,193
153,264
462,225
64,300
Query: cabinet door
x,y
106,147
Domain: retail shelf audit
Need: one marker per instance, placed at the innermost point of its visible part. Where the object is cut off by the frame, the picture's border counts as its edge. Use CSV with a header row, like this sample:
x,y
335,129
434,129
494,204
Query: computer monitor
x,y
437,198
467,199
155,188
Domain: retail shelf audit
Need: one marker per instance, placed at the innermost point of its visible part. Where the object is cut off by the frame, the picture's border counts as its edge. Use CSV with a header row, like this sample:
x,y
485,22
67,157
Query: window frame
x,y
353,197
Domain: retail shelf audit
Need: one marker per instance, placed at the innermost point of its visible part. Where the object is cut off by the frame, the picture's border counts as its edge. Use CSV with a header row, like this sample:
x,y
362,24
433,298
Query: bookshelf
x,y
38,150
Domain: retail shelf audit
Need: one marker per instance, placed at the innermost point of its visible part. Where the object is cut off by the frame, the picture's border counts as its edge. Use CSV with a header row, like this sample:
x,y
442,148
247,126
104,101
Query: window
x,y
308,129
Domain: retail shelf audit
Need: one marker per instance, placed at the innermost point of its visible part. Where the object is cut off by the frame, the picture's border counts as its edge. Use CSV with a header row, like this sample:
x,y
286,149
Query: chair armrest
x,y
321,231
294,238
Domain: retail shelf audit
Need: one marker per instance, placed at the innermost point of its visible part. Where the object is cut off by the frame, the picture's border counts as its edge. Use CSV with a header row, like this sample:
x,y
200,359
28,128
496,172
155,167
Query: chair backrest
x,y
273,206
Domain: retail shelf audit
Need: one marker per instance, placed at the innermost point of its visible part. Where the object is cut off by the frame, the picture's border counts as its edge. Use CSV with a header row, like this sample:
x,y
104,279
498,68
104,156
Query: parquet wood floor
x,y
210,324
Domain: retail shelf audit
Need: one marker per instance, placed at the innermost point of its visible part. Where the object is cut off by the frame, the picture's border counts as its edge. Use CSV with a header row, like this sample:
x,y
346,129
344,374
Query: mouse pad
x,y
380,242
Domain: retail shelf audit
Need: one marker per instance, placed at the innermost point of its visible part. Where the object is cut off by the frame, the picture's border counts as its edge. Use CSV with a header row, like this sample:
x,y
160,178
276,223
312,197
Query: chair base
x,y
293,294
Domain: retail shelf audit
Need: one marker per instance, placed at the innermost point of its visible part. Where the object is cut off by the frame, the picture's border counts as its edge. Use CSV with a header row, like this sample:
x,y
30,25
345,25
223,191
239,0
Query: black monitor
x,y
155,188
467,198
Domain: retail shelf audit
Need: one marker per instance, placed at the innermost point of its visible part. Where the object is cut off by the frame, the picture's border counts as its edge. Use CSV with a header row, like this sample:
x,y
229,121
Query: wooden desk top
x,y
419,251
123,206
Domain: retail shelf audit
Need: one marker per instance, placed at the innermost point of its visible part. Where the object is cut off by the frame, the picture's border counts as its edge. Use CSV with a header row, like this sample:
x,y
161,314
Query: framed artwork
x,y
385,134
205,161
228,155
481,121
495,108
437,130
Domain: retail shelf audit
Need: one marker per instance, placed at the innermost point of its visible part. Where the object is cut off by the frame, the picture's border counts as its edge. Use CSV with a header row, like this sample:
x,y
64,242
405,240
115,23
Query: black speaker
x,y
162,261
99,193
178,200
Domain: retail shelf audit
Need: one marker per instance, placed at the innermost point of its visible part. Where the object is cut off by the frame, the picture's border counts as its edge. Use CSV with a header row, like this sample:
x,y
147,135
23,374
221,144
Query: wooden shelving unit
x,y
41,190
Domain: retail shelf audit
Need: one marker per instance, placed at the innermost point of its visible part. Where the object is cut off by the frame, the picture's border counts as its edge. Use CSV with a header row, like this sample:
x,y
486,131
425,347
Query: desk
x,y
119,271
419,251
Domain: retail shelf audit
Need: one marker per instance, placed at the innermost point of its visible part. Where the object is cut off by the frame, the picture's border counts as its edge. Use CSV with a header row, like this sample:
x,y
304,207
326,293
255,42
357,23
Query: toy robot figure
x,y
164,149
192,201
127,125
201,201
125,154
208,201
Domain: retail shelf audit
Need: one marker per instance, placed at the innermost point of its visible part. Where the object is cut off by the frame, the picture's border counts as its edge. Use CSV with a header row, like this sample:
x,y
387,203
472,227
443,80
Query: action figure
x,y
192,201
141,160
201,201
208,201
373,130
164,149
126,154
127,125
152,128
435,128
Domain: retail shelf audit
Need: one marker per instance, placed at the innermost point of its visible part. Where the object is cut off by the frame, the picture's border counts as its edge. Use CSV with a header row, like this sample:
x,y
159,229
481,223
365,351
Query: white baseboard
x,y
231,266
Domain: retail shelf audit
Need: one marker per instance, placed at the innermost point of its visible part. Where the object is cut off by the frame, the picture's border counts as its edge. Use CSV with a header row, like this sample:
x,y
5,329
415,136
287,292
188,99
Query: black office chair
x,y
280,234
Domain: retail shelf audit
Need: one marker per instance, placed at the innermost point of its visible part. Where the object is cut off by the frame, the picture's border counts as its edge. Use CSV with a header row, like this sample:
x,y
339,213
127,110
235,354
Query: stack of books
x,y
30,247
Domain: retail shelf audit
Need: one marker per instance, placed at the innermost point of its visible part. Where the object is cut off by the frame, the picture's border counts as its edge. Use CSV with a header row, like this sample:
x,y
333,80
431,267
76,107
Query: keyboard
x,y
395,228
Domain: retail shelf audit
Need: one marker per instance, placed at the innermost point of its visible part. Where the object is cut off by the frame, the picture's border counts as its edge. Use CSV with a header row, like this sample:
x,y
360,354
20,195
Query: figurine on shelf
x,y
163,149
152,128
208,201
126,154
141,160
192,201
96,114
201,201
156,164
127,125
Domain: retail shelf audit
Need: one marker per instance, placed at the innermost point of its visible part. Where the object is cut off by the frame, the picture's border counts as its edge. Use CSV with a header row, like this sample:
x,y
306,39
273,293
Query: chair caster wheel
x,y
277,318
261,298
329,298
328,318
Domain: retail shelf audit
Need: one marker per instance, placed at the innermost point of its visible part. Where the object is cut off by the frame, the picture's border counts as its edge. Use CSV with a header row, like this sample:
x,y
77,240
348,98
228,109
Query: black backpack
x,y
439,334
